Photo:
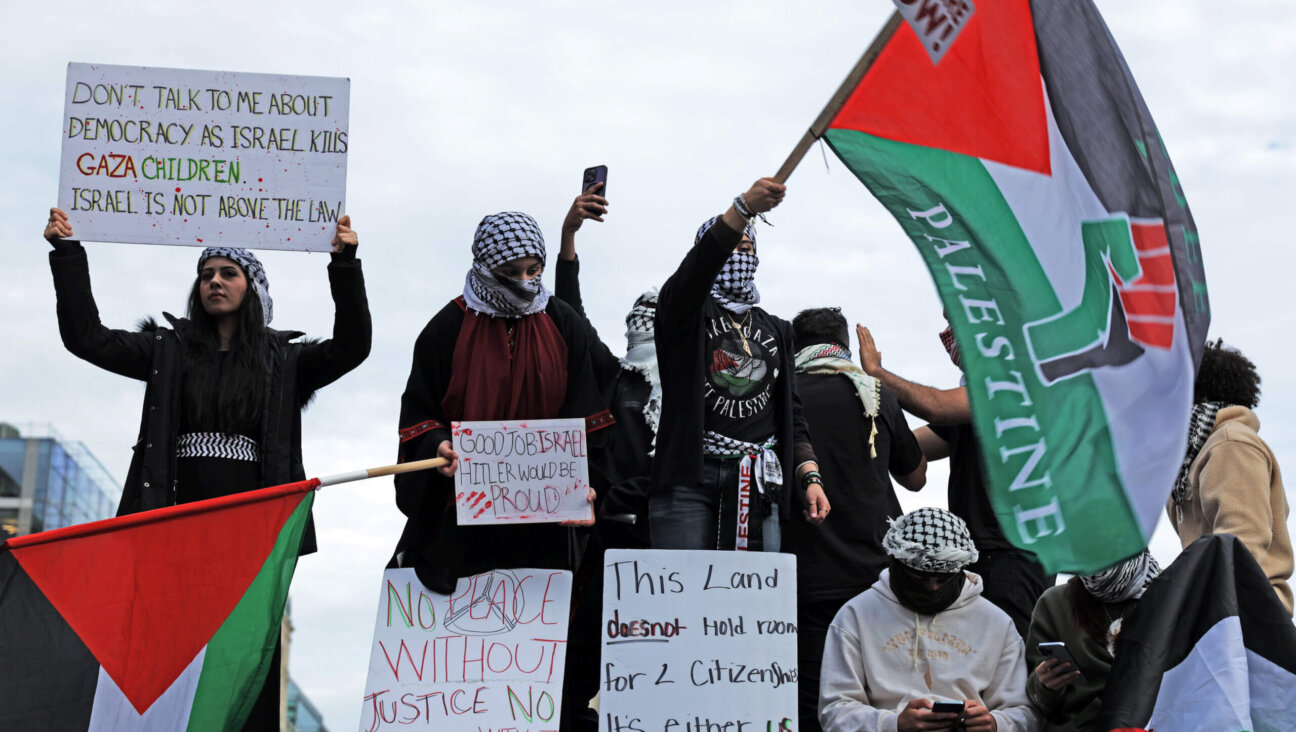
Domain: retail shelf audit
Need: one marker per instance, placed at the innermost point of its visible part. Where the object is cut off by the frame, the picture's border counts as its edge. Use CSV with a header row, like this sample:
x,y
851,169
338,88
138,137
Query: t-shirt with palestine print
x,y
739,385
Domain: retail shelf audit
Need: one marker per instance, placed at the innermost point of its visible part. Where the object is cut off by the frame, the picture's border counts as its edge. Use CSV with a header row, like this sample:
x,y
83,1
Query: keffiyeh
x,y
1200,426
830,358
641,352
1124,581
252,269
735,286
502,238
930,540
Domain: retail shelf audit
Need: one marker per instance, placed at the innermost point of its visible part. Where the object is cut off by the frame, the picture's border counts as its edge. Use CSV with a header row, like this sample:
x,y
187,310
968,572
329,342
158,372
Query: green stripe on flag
x,y
239,653
1053,478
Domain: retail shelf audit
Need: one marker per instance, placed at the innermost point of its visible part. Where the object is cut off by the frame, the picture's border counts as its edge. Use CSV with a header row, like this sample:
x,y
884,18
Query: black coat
x,y
155,355
681,346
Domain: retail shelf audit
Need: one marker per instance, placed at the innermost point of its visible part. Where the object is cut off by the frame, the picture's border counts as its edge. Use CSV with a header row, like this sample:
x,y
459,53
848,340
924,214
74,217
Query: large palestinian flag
x,y
164,620
1027,170
1210,647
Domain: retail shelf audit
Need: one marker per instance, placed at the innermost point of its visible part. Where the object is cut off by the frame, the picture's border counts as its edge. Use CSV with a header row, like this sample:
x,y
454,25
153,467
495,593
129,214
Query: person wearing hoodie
x,y
1230,482
924,634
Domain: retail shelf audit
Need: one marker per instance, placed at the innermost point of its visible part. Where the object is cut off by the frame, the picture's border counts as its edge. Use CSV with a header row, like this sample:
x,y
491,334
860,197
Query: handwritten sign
x,y
936,22
200,158
489,656
698,640
521,472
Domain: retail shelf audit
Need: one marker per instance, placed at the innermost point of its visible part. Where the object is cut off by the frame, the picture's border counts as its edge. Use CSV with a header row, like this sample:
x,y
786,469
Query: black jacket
x,y
681,345
155,355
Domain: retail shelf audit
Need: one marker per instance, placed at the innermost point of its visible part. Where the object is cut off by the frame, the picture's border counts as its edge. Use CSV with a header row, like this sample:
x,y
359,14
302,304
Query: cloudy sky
x,y
463,109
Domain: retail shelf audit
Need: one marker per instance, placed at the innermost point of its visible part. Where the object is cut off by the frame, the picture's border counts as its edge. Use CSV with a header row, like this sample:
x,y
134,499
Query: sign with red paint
x,y
937,23
203,158
489,656
532,471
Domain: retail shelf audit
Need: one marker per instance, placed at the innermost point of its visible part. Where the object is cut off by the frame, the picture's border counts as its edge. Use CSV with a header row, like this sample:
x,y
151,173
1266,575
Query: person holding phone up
x,y
1086,614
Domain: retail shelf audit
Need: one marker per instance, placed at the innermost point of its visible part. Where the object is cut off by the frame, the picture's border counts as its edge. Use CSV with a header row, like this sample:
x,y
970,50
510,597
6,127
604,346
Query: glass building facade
x,y
302,715
48,482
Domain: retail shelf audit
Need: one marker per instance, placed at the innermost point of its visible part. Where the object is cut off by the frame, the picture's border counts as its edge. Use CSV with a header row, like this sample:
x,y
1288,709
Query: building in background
x,y
302,715
48,482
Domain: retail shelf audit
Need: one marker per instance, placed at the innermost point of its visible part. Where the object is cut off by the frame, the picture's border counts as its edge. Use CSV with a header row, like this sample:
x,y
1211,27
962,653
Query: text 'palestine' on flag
x,y
162,620
1027,170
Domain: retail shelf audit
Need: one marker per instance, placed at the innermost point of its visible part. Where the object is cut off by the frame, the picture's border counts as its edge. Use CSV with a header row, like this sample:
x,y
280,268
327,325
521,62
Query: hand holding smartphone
x,y
947,707
1059,651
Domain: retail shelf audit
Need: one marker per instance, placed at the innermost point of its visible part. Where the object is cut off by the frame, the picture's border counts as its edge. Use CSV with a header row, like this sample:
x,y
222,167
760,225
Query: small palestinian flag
x,y
163,620
1027,170
1210,647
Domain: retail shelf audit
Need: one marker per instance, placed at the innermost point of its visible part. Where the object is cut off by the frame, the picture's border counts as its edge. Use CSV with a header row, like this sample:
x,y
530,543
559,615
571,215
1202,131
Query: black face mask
x,y
914,595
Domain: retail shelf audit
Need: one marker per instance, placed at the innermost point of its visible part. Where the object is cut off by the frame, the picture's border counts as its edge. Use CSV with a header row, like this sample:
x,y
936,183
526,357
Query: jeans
x,y
687,517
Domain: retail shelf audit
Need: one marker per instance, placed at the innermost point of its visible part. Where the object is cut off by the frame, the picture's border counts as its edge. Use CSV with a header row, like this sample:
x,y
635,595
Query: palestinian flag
x,y
163,620
1027,170
1210,647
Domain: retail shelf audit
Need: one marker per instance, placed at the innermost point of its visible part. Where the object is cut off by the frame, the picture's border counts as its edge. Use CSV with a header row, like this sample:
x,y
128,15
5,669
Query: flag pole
x,y
835,103
384,470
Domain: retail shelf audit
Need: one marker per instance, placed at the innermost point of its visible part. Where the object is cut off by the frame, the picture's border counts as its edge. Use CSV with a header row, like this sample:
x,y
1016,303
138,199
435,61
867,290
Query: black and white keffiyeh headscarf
x,y
502,238
641,352
1200,426
252,269
735,286
1124,581
930,540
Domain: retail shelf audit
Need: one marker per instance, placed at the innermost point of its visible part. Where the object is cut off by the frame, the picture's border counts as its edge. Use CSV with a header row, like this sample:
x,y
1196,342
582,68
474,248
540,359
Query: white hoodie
x,y
879,655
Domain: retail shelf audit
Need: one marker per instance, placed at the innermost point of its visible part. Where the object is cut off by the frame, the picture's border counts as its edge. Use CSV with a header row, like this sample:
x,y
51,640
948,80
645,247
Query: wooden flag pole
x,y
843,93
384,470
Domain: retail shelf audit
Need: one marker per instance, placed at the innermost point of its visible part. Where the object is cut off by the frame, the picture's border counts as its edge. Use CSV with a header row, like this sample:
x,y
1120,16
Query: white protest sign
x,y
203,158
936,22
490,656
529,471
698,640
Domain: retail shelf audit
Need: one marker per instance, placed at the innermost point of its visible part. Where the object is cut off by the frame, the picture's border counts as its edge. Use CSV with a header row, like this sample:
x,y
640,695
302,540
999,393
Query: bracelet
x,y
811,476
743,213
740,204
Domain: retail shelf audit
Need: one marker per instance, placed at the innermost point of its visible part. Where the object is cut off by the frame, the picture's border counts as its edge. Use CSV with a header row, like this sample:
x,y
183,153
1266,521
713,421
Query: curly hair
x,y
1225,375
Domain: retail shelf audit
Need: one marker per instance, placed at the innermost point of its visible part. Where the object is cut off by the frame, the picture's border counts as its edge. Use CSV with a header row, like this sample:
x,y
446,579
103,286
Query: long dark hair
x,y
239,401
1090,615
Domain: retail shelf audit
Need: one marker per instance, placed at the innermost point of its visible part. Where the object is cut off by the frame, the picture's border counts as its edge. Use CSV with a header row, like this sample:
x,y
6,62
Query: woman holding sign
x,y
222,406
503,350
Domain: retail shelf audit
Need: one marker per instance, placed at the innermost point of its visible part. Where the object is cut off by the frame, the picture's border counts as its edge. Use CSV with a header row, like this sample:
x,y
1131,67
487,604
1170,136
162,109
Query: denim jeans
x,y
688,516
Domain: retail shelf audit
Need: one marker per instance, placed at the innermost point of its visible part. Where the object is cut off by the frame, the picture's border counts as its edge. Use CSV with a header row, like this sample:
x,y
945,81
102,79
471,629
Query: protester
x,y
1014,579
731,427
861,435
921,634
224,391
1230,482
503,350
1086,614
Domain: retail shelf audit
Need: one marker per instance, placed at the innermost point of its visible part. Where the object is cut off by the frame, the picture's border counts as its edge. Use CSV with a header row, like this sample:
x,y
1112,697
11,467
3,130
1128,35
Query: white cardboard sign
x,y
936,22
203,158
698,640
530,471
490,656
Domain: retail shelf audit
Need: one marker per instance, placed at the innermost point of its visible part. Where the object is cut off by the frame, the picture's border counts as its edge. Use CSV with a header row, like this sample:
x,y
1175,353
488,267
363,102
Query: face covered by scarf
x,y
735,286
928,542
502,238
641,352
1124,581
252,269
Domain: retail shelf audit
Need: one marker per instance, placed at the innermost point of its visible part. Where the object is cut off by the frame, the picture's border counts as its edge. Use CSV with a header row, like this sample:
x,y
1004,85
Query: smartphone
x,y
593,176
1059,651
947,707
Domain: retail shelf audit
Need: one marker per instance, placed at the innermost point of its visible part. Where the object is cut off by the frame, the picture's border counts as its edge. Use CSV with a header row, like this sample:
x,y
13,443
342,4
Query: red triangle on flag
x,y
985,98
146,592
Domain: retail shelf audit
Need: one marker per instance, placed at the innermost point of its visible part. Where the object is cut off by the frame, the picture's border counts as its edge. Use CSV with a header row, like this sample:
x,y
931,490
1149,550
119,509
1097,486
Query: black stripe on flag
x,y
1213,580
47,675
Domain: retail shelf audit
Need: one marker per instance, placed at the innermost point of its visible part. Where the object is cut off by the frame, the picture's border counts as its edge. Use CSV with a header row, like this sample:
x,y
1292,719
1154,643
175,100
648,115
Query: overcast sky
x,y
464,109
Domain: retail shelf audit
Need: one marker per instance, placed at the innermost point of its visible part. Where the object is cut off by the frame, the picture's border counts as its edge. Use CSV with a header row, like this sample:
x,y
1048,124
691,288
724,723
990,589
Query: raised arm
x,y
938,406
122,352
324,362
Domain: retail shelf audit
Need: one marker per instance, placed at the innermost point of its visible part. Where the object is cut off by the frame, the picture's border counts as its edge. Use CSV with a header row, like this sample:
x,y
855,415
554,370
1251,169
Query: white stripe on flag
x,y
1223,686
113,712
